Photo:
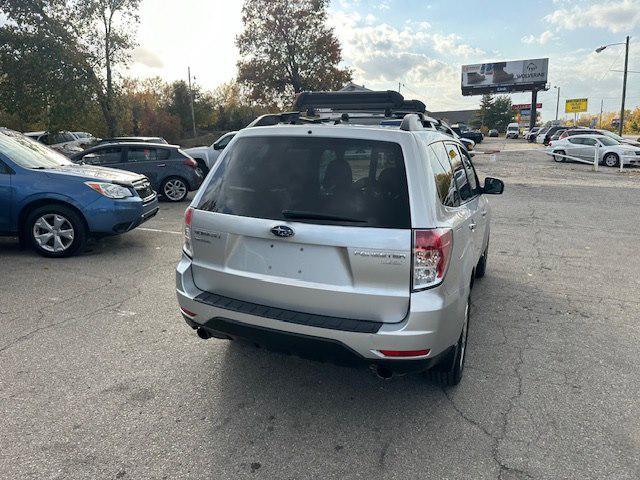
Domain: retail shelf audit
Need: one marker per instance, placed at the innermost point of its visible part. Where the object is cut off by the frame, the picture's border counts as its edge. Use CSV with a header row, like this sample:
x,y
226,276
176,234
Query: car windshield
x,y
28,153
320,180
611,135
608,142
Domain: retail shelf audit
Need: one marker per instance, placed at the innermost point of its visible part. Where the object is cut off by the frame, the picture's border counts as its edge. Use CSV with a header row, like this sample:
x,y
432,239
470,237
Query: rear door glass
x,y
360,182
141,154
465,189
443,176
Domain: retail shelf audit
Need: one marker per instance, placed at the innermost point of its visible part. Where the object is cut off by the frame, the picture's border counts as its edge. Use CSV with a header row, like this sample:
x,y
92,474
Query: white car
x,y
207,156
610,151
513,130
64,142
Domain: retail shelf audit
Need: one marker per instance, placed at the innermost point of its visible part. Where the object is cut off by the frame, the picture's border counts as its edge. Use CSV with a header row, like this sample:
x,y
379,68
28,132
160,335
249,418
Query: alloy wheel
x,y
53,232
175,189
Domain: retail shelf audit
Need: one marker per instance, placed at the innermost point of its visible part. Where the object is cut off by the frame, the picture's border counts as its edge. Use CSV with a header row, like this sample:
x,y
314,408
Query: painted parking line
x,y
158,231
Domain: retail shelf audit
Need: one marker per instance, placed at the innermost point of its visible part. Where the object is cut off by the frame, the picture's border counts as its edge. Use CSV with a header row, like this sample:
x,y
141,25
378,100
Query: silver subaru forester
x,y
349,244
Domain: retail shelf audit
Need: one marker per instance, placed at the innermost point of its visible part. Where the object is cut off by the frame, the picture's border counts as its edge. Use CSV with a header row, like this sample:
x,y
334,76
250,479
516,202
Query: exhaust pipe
x,y
384,373
203,333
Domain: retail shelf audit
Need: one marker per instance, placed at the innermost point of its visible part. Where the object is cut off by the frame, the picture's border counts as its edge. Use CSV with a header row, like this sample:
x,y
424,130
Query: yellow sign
x,y
576,105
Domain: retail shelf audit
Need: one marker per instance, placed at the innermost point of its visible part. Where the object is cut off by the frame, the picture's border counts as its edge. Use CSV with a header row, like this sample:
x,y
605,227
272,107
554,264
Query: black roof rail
x,y
271,119
387,101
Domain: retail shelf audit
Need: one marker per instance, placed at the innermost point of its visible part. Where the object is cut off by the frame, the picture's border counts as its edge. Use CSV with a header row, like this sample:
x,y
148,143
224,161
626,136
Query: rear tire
x,y
55,231
481,267
174,189
559,159
448,372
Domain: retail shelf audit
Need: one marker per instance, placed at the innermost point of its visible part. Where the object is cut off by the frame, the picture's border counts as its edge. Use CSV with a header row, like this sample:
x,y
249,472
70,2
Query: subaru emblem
x,y
282,231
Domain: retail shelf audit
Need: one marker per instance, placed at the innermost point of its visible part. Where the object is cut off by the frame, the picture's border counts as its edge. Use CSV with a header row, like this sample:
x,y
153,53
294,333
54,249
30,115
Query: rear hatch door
x,y
310,224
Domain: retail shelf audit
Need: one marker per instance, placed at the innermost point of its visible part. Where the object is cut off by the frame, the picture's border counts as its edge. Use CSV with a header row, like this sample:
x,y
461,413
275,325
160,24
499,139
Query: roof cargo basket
x,y
387,102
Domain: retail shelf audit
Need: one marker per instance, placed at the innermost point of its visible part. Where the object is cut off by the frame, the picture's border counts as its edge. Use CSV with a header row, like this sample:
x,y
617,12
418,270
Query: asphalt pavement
x,y
100,378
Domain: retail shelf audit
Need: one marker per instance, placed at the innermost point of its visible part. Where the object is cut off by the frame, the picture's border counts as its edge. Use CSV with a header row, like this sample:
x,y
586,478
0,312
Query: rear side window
x,y
141,154
332,181
443,176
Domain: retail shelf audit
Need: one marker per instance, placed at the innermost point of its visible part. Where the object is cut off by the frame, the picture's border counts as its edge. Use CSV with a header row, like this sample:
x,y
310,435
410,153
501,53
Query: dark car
x,y
133,139
54,205
576,131
465,132
172,172
552,131
493,132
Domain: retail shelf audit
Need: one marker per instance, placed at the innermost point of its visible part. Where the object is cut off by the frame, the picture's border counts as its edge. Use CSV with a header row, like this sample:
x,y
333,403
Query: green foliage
x,y
286,47
494,113
57,58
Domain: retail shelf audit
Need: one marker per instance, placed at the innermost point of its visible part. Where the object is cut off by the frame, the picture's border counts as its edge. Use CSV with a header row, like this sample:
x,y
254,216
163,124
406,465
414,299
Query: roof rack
x,y
390,103
386,102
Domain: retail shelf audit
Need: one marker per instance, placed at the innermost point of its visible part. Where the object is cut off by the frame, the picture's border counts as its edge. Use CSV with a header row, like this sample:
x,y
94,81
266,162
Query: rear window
x,y
333,181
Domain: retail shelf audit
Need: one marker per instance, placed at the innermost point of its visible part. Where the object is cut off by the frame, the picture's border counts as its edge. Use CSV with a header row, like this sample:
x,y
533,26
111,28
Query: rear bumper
x,y
318,349
433,322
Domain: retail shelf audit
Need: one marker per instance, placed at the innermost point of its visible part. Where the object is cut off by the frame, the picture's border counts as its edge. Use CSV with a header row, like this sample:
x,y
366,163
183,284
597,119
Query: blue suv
x,y
55,205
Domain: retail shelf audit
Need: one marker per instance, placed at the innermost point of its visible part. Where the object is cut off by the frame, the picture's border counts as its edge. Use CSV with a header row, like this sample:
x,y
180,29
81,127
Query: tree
x,y
480,120
501,114
286,47
75,42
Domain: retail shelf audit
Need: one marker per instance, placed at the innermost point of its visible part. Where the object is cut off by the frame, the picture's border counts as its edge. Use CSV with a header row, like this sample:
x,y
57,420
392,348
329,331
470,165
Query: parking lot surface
x,y
101,378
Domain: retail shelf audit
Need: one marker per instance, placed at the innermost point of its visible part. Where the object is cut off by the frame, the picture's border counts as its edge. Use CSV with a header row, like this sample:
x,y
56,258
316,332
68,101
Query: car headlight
x,y
628,152
110,190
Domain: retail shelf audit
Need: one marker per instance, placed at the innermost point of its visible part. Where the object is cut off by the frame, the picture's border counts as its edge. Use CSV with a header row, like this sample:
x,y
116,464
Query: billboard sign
x,y
525,106
576,105
505,77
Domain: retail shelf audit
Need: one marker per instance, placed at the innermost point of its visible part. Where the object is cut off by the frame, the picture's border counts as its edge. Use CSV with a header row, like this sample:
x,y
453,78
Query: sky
x,y
420,44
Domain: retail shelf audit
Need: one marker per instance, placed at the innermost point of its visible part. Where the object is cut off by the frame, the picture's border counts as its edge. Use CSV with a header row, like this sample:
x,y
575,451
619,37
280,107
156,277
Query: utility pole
x,y
601,106
557,103
624,85
399,84
534,109
193,117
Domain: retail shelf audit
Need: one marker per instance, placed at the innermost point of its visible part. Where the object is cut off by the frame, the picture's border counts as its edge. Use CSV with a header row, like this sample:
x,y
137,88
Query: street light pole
x,y
624,78
557,102
193,117
624,85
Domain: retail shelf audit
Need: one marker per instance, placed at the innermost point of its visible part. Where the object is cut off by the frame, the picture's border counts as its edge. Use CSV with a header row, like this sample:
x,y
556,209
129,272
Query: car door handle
x,y
161,165
472,226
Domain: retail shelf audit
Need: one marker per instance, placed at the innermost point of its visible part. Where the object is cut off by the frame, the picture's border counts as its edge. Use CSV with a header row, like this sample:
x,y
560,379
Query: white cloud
x,y
146,57
616,16
541,39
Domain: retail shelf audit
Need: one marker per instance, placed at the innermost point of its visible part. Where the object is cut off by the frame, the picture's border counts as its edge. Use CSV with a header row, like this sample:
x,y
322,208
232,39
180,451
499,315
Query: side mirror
x,y
217,146
493,186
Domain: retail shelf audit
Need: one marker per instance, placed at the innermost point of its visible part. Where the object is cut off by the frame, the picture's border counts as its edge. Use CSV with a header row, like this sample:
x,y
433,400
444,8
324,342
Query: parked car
x,y
544,136
465,132
63,142
618,138
577,131
350,245
532,134
493,132
513,131
430,123
55,205
134,139
610,151
207,156
172,172
86,138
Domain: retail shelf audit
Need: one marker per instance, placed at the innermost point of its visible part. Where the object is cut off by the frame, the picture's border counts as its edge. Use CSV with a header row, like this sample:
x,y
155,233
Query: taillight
x,y
431,254
187,232
190,162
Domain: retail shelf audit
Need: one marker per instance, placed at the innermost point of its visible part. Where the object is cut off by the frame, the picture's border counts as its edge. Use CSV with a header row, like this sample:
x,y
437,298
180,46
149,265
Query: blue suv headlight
x,y
110,190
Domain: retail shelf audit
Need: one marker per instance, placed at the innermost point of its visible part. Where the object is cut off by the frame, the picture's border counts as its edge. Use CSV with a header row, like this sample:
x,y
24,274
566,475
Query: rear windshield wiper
x,y
304,215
